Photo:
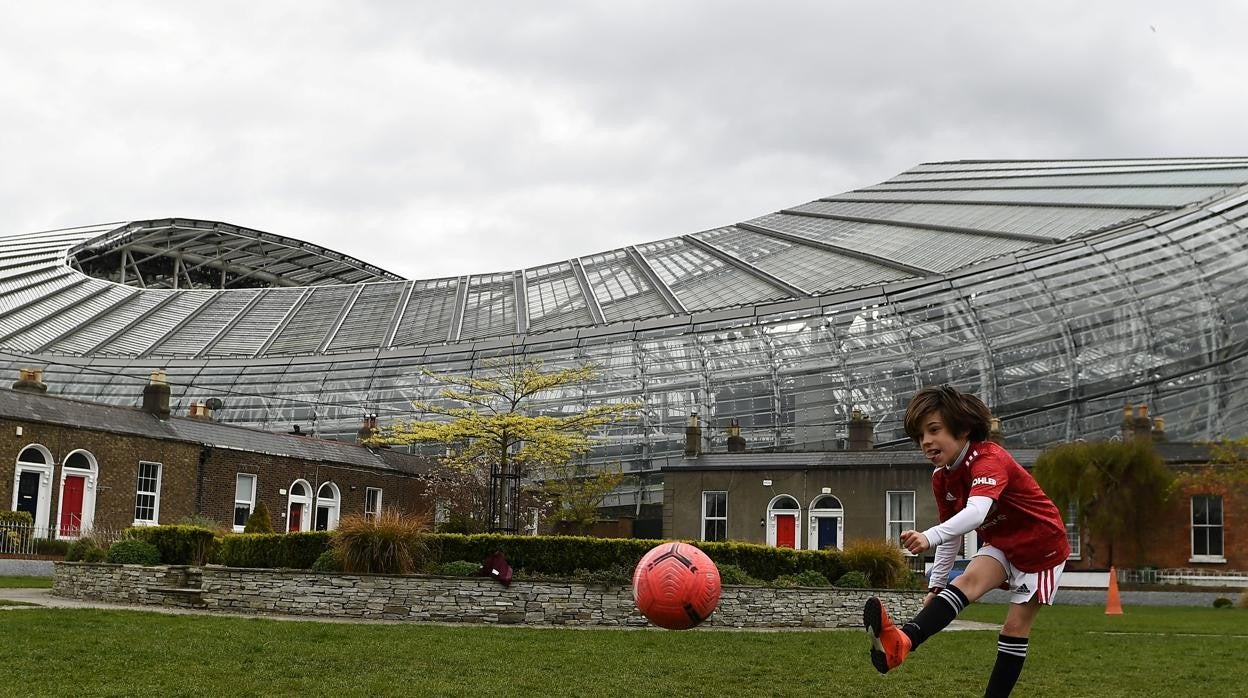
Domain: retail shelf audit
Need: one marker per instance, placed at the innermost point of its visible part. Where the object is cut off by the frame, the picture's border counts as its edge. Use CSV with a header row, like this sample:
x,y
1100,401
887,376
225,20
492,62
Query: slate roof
x,y
49,409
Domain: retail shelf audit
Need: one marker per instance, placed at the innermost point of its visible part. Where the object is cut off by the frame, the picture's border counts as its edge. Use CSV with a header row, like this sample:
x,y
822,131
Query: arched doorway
x,y
827,523
782,515
327,506
32,486
76,505
298,506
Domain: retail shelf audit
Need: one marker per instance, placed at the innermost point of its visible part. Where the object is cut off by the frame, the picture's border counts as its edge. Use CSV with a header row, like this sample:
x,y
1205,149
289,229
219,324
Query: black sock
x,y
936,615
1011,653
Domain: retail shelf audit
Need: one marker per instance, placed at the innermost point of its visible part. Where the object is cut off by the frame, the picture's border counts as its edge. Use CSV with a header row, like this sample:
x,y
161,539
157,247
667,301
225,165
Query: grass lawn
x,y
25,582
1076,651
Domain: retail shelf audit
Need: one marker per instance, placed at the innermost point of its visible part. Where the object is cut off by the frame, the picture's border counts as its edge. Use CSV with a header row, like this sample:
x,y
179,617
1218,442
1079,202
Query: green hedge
x,y
563,555
178,544
290,550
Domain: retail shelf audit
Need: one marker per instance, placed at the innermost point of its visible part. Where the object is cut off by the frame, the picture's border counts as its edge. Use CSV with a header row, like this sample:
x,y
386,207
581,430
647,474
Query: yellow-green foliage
x,y
880,560
391,544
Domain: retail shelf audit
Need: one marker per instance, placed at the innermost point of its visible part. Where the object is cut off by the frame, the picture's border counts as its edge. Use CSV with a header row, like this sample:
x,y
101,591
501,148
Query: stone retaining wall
x,y
452,599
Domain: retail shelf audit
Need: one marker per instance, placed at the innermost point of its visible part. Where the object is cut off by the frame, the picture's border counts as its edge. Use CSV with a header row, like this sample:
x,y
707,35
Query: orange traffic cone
x,y
1112,605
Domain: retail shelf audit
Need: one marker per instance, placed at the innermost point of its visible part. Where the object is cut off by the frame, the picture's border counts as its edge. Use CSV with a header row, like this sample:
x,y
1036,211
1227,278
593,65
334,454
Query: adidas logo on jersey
x,y
1022,589
950,498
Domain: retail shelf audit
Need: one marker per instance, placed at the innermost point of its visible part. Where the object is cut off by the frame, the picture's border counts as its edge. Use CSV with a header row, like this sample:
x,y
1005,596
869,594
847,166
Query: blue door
x,y
827,531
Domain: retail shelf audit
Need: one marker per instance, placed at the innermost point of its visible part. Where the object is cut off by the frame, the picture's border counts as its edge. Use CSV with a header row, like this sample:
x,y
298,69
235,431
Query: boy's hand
x,y
915,542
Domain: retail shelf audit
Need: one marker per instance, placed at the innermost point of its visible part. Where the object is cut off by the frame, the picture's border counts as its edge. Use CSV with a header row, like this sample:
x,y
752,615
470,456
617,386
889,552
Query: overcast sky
x,y
437,139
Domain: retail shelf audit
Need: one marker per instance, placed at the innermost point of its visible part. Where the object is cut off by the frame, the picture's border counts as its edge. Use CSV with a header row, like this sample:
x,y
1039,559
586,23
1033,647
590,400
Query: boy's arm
x,y
961,523
943,563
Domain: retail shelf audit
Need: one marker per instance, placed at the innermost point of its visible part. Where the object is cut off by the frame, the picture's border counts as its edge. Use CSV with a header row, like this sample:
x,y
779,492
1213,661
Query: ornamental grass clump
x,y
880,560
392,543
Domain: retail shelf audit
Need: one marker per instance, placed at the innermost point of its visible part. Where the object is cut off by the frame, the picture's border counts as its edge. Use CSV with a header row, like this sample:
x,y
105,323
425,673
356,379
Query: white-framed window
x,y
1072,532
372,503
147,495
714,516
244,499
1207,528
899,510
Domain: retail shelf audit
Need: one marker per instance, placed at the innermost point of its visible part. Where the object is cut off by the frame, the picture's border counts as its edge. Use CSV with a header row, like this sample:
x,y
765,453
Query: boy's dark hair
x,y
963,413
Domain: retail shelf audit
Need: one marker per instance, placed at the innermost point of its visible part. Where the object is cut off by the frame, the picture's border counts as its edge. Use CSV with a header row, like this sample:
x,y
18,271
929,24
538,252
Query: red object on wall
x,y
786,527
71,505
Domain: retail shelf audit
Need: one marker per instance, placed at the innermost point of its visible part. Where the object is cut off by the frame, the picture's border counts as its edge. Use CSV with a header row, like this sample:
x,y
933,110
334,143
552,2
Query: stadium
x,y
1055,290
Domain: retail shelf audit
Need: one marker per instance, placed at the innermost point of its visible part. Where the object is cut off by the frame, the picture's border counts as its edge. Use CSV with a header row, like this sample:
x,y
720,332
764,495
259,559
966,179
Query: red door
x,y
71,505
786,527
296,517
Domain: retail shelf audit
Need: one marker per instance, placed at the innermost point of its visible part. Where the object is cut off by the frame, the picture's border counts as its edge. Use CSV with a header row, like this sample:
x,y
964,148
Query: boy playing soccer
x,y
978,487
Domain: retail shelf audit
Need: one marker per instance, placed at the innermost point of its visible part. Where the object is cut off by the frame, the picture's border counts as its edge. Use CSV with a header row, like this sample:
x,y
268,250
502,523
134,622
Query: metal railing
x,y
26,539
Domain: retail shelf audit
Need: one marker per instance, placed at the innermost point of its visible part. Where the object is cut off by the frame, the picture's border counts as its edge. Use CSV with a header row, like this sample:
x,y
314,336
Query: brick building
x,y
824,499
87,466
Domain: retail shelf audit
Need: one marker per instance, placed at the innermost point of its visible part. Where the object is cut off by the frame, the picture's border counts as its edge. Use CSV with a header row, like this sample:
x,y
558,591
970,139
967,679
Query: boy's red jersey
x,y
1023,522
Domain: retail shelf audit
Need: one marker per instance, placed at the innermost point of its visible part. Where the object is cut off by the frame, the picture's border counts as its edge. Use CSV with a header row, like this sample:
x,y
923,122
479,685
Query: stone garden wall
x,y
451,599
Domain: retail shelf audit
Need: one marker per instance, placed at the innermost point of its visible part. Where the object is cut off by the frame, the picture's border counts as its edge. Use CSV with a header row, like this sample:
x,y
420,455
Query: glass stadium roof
x,y
195,289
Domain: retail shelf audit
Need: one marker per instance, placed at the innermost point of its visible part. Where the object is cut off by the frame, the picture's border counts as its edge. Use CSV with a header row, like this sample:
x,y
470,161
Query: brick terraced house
x,y
79,466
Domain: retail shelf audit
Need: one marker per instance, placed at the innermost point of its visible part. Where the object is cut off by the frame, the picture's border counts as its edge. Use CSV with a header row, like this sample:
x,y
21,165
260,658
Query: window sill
x,y
1208,559
145,523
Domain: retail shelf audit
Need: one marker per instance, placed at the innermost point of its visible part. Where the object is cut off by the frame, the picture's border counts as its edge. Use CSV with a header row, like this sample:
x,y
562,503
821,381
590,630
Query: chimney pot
x,y
693,437
156,395
736,444
861,431
30,380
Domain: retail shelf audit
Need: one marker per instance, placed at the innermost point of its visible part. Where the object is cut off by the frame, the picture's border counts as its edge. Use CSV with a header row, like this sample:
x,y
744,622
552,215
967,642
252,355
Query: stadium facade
x,y
1056,290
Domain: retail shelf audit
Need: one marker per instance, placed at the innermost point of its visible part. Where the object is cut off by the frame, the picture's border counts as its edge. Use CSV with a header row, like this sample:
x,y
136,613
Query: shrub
x,y
853,580
458,568
132,551
260,521
17,517
178,545
84,550
327,562
615,576
880,560
272,550
1222,602
50,546
201,521
805,578
389,544
732,574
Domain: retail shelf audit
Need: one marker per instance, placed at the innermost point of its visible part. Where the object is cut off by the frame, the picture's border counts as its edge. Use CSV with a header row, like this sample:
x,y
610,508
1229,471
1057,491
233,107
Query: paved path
x,y
1096,597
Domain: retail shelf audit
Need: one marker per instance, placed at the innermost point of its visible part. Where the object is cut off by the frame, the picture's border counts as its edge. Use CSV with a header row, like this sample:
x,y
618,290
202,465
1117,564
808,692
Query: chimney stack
x,y
156,395
861,431
30,380
995,434
200,410
693,437
1143,425
736,444
1159,429
368,429
1128,421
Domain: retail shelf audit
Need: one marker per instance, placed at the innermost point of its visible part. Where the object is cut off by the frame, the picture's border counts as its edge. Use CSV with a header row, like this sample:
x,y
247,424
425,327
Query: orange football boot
x,y
889,646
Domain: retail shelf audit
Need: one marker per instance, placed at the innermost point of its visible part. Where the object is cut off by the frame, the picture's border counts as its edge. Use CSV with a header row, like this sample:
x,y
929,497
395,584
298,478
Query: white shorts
x,y
1024,585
